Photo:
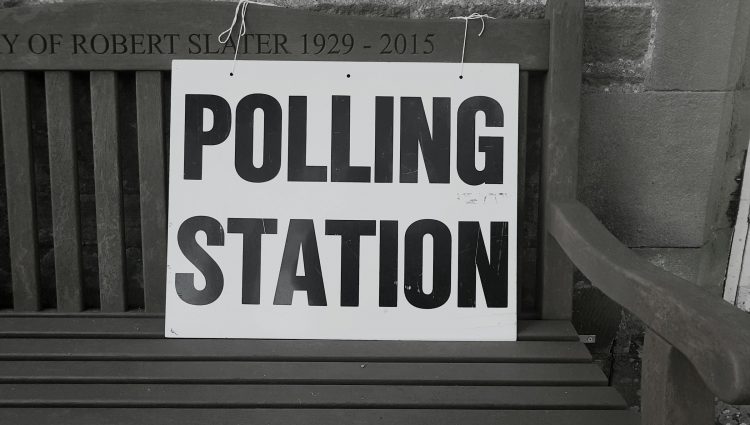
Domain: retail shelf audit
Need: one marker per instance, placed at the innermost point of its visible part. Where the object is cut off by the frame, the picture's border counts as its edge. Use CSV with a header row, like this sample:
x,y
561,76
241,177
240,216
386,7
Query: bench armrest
x,y
712,334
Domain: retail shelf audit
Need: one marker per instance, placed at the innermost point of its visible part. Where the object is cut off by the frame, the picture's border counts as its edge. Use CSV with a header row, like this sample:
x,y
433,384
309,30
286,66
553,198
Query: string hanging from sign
x,y
239,11
466,28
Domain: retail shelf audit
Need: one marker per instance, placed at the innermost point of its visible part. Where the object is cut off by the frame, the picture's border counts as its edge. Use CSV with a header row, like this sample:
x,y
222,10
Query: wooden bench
x,y
96,353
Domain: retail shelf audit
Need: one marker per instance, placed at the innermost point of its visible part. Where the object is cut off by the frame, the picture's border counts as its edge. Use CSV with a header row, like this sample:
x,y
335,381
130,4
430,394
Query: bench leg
x,y
672,392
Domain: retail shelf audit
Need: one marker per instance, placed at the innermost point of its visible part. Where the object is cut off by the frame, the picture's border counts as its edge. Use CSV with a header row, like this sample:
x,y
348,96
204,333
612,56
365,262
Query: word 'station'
x,y
342,200
276,44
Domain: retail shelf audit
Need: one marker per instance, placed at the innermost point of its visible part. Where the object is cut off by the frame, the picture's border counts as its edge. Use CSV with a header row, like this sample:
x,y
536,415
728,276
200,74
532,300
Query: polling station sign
x,y
342,200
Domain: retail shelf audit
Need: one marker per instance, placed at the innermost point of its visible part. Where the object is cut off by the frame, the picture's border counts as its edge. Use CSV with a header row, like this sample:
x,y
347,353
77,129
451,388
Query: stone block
x,y
699,45
615,43
646,162
612,33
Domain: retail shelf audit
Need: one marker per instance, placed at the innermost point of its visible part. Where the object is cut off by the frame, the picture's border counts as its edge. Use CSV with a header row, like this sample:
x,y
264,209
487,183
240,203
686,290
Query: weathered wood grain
x,y
504,40
711,333
108,186
63,166
562,110
153,183
19,178
371,373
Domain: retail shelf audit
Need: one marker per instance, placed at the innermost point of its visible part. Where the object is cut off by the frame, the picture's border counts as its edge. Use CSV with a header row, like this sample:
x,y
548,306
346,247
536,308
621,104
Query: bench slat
x,y
526,286
19,178
291,350
331,396
108,186
151,166
222,372
80,326
546,330
120,416
63,166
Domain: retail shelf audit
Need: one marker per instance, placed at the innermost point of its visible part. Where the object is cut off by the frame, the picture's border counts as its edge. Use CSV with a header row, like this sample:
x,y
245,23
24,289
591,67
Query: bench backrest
x,y
84,112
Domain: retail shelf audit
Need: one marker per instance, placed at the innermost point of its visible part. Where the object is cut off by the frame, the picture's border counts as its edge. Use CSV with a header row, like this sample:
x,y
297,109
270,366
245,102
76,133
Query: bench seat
x,y
119,369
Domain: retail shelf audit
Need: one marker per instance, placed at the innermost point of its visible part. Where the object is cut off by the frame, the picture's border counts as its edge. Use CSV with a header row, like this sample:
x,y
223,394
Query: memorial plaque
x,y
149,35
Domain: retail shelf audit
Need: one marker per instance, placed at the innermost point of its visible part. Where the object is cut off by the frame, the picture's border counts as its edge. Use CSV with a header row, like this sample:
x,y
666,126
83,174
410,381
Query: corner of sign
x,y
181,62
170,332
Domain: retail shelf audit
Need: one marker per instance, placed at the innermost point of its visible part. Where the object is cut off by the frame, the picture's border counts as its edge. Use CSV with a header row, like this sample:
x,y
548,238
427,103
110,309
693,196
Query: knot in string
x,y
466,28
239,11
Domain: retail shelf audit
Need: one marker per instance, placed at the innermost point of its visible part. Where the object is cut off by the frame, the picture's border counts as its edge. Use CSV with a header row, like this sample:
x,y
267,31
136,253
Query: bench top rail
x,y
148,35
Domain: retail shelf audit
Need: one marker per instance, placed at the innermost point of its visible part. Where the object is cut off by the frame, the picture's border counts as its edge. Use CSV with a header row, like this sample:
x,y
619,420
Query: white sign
x,y
342,200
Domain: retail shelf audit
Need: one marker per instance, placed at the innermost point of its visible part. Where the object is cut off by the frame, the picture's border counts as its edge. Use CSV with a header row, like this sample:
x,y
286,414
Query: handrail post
x,y
562,111
672,392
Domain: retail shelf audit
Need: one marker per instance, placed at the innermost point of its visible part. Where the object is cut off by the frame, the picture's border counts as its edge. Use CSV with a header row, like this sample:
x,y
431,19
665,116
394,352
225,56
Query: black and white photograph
x,y
374,212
